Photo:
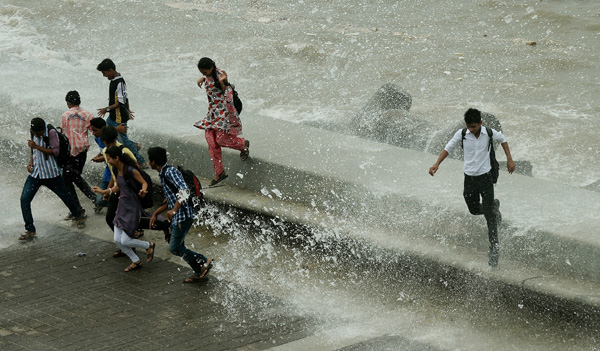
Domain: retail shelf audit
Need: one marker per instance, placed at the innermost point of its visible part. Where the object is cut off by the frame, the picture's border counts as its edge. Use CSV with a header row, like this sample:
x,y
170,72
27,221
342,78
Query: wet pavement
x,y
53,299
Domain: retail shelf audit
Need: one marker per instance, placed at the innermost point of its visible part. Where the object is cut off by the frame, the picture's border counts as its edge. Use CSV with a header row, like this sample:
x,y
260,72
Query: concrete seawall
x,y
383,195
377,193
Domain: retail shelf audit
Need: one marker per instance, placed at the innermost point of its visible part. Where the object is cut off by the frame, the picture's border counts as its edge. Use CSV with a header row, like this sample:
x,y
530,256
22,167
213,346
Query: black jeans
x,y
72,175
479,196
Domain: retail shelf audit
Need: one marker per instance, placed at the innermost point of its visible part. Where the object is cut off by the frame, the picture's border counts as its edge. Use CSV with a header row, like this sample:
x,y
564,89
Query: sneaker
x,y
28,235
494,255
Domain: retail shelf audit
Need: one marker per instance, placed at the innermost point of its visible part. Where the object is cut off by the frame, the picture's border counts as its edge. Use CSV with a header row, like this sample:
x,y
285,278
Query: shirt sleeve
x,y
63,121
456,139
122,93
498,136
54,143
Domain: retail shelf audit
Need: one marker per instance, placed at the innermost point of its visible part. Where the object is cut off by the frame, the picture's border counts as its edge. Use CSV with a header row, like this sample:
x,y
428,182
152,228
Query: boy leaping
x,y
479,185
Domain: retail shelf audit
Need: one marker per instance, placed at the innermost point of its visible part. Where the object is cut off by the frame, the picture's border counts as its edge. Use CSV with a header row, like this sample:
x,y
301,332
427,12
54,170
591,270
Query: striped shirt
x,y
75,124
45,166
174,176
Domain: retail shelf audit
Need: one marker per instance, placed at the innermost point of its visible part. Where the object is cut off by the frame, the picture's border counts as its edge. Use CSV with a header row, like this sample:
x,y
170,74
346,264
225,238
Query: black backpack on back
x,y
237,103
494,163
145,201
64,148
196,197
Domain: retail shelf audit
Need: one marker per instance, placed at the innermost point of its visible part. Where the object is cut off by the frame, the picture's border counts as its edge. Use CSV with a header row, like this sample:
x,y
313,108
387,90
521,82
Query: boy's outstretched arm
x,y
510,164
435,167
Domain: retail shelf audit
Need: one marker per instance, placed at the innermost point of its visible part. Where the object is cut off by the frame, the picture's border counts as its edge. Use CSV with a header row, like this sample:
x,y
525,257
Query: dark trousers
x,y
72,174
111,211
57,185
177,246
479,196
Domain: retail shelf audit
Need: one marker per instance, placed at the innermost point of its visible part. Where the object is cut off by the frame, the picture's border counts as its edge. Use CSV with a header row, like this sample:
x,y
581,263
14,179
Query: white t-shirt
x,y
477,156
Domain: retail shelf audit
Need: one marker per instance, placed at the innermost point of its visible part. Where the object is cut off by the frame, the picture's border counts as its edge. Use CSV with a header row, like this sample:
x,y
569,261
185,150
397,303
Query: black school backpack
x,y
145,201
494,163
196,198
64,148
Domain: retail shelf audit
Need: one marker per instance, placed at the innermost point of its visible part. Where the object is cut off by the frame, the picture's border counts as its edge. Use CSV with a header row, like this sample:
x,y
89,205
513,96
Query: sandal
x,y
246,152
206,268
28,236
219,178
133,266
150,252
193,279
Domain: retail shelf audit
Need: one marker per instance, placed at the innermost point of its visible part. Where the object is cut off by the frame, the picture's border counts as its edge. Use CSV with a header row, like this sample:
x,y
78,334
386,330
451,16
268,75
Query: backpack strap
x,y
170,184
490,133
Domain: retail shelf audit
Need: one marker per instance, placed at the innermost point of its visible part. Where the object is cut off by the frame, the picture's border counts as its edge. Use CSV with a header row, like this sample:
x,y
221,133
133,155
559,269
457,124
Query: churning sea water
x,y
532,64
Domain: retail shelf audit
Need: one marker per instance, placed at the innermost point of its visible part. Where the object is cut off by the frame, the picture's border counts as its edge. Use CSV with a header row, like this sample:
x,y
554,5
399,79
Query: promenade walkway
x,y
53,299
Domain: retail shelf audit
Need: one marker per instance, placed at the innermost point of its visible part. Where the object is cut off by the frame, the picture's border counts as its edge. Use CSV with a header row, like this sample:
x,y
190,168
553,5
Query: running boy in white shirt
x,y
479,183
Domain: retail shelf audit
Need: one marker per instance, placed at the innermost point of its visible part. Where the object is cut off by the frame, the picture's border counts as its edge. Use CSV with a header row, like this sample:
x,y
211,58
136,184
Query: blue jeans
x,y
178,248
124,139
57,185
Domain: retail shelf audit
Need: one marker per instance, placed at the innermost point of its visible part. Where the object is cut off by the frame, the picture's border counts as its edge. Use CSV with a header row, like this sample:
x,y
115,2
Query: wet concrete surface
x,y
53,299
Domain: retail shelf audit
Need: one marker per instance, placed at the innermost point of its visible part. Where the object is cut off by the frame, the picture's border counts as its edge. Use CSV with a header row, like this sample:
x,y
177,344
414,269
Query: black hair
x,y
207,63
37,124
472,116
115,151
108,134
98,122
73,98
158,155
106,65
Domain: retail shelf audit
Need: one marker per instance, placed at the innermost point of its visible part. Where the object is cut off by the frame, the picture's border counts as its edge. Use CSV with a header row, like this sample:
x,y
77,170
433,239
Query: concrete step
x,y
382,196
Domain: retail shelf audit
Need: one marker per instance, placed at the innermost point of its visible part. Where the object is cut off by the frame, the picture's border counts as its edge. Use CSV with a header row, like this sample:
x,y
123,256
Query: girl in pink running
x,y
222,122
